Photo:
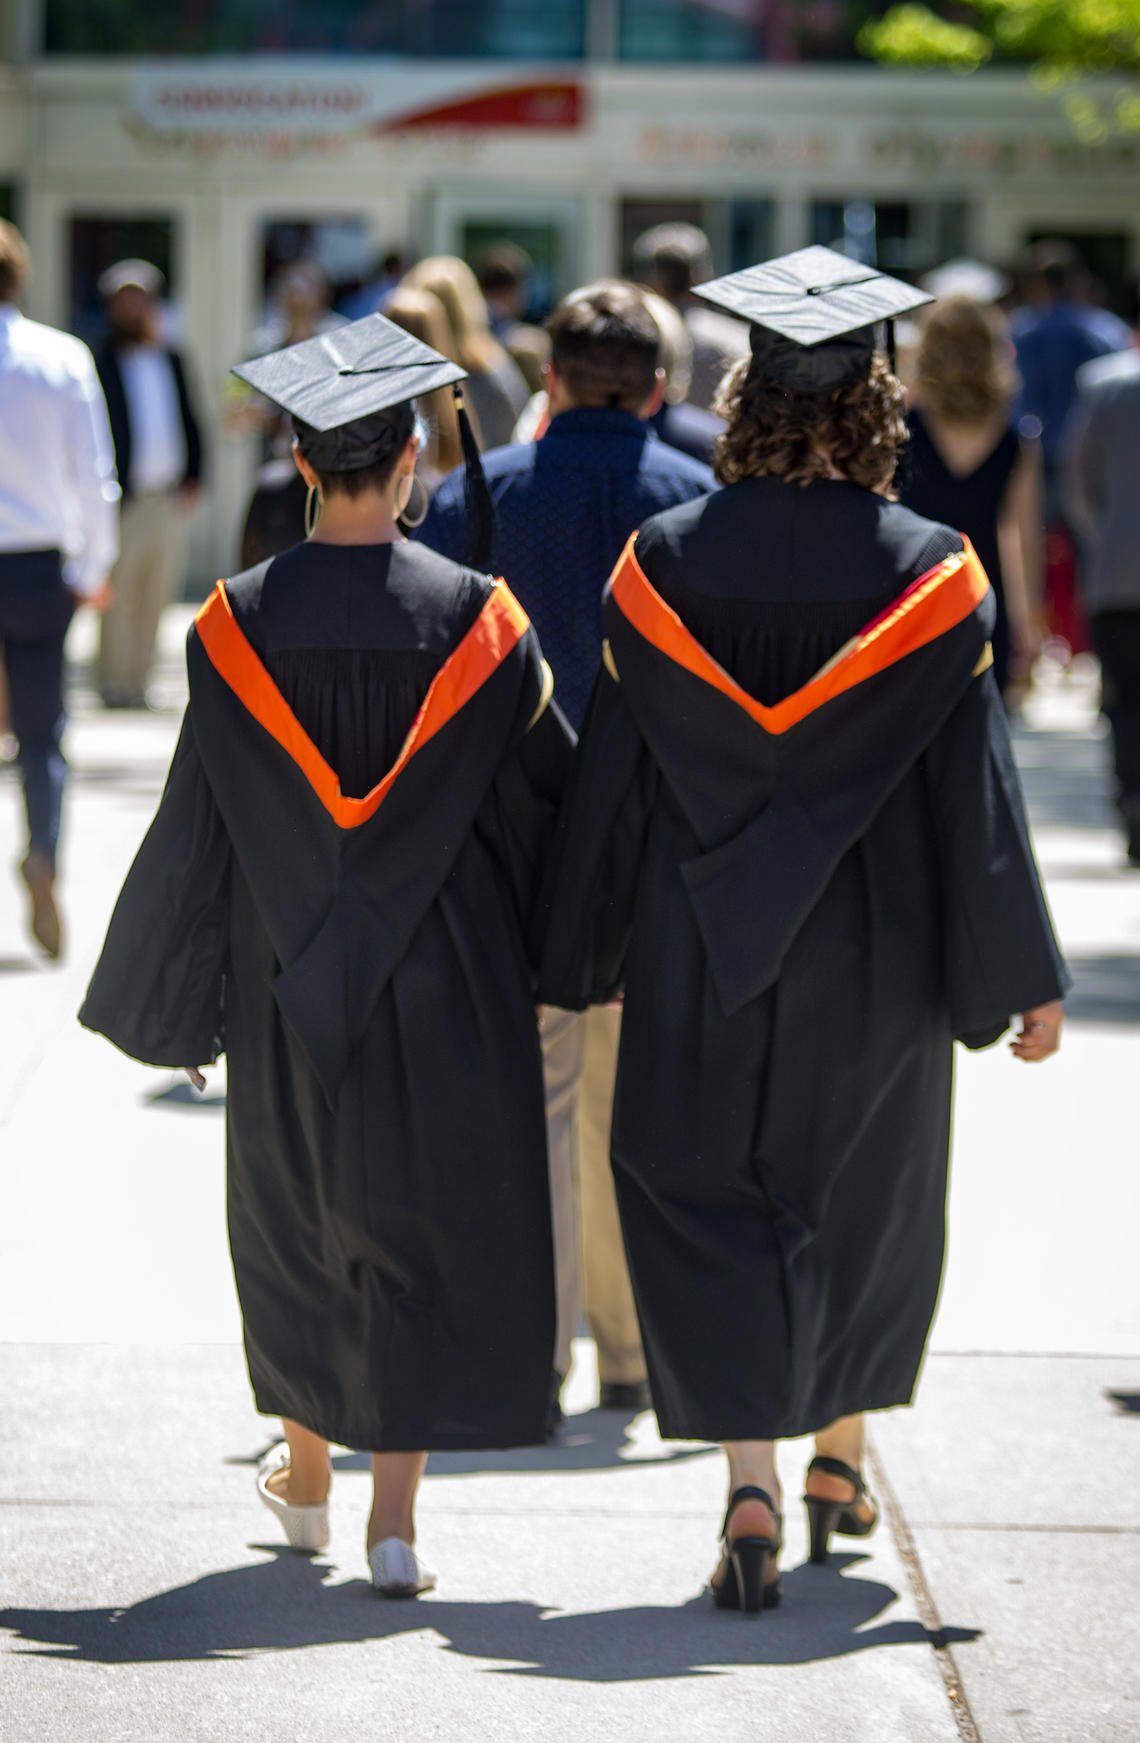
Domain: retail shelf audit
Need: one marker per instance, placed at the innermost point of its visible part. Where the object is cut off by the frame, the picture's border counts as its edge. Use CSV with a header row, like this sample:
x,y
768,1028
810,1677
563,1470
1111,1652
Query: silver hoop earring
x,y
312,514
417,520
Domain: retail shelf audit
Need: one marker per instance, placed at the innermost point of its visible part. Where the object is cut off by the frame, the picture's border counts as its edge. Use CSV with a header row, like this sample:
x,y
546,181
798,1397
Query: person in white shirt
x,y
58,540
158,451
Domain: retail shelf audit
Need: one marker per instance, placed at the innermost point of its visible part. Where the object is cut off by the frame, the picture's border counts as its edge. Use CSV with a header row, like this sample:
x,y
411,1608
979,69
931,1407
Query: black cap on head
x,y
341,387
813,314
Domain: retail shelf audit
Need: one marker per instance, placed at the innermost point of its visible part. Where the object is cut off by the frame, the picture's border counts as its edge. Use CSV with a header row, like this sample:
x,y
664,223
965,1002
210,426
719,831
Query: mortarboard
x,y
340,390
339,387
813,314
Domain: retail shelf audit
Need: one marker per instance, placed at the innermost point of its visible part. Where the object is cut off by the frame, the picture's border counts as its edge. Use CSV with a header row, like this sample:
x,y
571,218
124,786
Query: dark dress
x,y
357,950
805,903
971,504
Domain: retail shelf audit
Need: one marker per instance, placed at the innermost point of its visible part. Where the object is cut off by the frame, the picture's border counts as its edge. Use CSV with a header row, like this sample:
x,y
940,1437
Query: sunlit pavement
x,y
142,1590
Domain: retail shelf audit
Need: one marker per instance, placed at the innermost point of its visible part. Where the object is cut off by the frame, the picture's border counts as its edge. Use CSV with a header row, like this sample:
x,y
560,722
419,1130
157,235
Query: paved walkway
x,y
143,1596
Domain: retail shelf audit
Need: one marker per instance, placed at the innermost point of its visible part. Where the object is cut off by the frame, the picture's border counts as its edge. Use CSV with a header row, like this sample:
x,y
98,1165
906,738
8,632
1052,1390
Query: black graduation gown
x,y
356,947
794,834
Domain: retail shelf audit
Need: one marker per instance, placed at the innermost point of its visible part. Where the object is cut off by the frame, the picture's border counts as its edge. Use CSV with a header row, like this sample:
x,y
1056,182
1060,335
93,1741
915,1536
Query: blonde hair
x,y
420,313
676,354
963,368
450,279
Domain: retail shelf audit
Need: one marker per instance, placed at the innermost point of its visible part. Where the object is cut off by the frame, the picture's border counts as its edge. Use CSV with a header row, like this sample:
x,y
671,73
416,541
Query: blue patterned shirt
x,y
564,508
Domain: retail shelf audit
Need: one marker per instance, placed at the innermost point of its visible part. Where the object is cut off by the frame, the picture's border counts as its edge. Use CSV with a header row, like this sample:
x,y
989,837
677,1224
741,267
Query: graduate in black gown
x,y
794,836
335,893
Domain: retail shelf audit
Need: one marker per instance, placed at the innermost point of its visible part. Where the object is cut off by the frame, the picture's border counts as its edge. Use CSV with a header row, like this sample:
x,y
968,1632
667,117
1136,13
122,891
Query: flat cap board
x,y
812,296
356,370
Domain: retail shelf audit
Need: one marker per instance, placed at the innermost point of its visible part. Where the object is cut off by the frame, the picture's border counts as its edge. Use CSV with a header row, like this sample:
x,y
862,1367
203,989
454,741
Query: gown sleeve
x,y
1001,952
586,910
157,990
517,818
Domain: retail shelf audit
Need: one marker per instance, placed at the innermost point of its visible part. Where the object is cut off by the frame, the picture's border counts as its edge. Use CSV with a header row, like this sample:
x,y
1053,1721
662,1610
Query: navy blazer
x,y
111,377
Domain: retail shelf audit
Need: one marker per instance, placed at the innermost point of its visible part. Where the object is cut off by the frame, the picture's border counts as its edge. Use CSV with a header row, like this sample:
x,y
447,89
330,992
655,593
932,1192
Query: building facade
x,y
219,167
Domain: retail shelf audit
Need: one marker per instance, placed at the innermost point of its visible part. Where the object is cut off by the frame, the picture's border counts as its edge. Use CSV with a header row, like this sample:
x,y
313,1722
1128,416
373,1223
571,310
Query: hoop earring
x,y
312,515
419,519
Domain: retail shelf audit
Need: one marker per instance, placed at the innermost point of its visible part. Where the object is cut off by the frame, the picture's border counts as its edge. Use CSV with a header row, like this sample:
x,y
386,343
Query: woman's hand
x,y
195,1076
1040,1032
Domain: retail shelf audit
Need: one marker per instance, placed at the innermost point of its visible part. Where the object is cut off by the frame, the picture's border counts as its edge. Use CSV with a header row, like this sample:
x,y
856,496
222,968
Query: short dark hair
x,y
604,343
1056,263
378,475
672,258
503,267
15,263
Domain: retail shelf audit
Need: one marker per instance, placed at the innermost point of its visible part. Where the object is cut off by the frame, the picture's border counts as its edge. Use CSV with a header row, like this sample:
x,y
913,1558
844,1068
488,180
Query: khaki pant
x,y
143,582
579,1051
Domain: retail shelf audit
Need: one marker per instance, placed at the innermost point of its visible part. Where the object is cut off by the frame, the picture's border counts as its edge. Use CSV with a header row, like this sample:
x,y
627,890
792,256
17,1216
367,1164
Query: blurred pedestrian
x,y
564,507
58,539
1102,496
421,314
673,260
794,838
682,425
158,453
1055,333
372,298
505,273
496,390
968,466
336,890
298,310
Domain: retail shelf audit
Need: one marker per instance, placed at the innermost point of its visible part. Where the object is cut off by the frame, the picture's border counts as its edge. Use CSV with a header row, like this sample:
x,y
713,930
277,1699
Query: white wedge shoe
x,y
397,1571
307,1528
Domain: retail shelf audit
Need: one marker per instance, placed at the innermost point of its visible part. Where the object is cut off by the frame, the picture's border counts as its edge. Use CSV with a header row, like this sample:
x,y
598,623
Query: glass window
x,y
746,30
509,29
896,236
749,233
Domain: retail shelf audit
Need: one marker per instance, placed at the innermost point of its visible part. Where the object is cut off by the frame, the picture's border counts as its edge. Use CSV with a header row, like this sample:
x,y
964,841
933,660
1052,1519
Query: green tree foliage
x,y
1062,41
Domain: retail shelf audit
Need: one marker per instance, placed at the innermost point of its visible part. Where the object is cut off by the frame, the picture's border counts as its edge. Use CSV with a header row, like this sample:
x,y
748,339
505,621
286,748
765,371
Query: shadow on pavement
x,y
592,1440
184,1095
1106,989
1055,769
286,1603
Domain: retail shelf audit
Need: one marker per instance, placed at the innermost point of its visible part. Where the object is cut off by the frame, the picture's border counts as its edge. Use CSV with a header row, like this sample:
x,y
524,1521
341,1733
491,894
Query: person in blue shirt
x,y
565,505
1053,340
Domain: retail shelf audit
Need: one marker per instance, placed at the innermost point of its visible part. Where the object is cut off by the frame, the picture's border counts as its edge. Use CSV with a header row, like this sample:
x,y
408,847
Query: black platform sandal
x,y
824,1517
746,1560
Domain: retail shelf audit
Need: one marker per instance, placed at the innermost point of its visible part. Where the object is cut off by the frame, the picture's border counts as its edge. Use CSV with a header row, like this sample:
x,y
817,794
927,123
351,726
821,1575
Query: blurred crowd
x,y
1020,396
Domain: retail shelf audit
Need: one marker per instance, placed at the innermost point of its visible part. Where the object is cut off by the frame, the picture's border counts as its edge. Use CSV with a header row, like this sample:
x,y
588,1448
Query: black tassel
x,y
892,349
478,508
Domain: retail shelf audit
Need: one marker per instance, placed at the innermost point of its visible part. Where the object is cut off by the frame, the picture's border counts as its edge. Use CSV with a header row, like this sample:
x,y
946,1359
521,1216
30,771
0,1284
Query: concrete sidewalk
x,y
142,1589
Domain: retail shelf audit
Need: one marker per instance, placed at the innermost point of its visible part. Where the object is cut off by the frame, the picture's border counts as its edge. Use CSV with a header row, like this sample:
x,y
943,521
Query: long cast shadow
x,y
1106,989
287,1603
591,1440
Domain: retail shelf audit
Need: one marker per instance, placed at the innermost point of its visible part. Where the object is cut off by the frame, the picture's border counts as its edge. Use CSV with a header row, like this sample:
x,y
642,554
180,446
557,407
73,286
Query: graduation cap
x,y
341,390
813,314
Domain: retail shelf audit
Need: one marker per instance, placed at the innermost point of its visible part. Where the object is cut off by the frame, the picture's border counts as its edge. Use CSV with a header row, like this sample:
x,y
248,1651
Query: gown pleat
x,y
389,1218
781,1165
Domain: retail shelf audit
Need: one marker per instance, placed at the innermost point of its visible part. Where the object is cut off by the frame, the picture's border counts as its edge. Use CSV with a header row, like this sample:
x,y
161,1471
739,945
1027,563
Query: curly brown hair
x,y
963,370
858,430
